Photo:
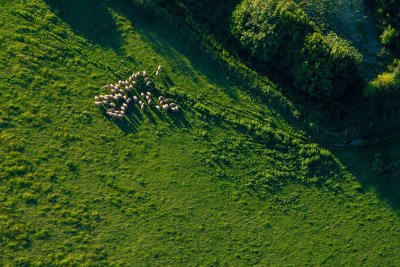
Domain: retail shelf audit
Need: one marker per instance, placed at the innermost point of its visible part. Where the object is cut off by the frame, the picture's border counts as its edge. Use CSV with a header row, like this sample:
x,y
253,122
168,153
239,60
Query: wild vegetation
x,y
228,180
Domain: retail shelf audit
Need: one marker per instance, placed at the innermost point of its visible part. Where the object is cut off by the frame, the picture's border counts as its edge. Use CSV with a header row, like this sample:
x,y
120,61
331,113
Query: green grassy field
x,y
228,181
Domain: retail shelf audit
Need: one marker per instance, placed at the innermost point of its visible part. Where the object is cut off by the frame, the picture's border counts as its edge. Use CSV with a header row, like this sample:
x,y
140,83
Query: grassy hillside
x,y
228,181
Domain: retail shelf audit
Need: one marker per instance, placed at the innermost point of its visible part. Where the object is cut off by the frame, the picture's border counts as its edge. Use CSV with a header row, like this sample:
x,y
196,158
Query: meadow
x,y
231,180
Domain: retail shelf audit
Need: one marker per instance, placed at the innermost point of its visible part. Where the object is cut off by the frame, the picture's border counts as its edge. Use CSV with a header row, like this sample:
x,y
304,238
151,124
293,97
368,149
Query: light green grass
x,y
197,189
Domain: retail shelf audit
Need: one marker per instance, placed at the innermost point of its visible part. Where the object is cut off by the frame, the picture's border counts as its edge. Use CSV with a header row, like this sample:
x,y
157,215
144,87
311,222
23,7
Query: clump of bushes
x,y
330,69
387,13
387,82
272,31
280,36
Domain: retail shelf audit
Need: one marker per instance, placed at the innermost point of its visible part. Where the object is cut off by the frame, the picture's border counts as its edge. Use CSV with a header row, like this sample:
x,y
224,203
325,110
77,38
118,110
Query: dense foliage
x,y
388,82
388,16
329,69
279,34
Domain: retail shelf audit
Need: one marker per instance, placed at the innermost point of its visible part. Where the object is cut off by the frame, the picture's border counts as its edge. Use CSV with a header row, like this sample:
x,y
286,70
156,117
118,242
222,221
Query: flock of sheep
x,y
125,92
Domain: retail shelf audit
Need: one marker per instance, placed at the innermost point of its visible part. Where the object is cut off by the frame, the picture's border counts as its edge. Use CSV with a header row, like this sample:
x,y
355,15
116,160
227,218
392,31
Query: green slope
x,y
227,182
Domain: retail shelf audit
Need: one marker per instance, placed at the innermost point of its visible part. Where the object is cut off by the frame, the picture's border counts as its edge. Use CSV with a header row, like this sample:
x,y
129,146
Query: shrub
x,y
330,68
386,83
279,34
272,31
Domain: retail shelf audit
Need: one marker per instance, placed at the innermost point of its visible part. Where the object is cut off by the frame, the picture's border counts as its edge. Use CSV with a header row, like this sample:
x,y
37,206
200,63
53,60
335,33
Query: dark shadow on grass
x,y
90,19
371,167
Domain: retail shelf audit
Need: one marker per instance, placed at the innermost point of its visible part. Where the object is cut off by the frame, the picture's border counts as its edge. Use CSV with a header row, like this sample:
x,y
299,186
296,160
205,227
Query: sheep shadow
x,y
90,19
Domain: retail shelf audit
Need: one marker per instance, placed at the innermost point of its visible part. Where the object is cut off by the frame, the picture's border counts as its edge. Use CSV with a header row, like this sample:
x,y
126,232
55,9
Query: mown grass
x,y
228,182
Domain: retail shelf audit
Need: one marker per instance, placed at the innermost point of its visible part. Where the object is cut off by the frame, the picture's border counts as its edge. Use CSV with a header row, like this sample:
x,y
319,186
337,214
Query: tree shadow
x,y
90,19
375,166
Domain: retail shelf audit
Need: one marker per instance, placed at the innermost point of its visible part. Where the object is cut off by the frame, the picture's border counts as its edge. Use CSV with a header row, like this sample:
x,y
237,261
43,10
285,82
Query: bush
x,y
386,83
273,31
279,34
388,16
330,69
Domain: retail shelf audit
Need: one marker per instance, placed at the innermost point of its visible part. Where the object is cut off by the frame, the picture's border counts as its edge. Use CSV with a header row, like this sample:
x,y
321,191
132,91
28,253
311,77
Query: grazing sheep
x,y
116,97
128,100
149,101
144,74
108,86
149,94
157,73
96,98
140,102
160,98
104,102
133,83
142,94
113,91
159,68
122,109
98,104
148,84
161,102
112,105
125,97
142,106
124,105
117,112
172,105
147,79
148,97
135,98
165,107
157,107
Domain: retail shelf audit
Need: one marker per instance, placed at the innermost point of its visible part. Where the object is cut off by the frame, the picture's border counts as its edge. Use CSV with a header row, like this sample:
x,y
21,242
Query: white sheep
x,y
142,106
128,100
157,73
142,94
149,94
157,107
159,68
165,107
135,98
98,104
149,101
148,97
147,79
123,109
148,84
144,74
124,105
160,98
140,102
112,105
